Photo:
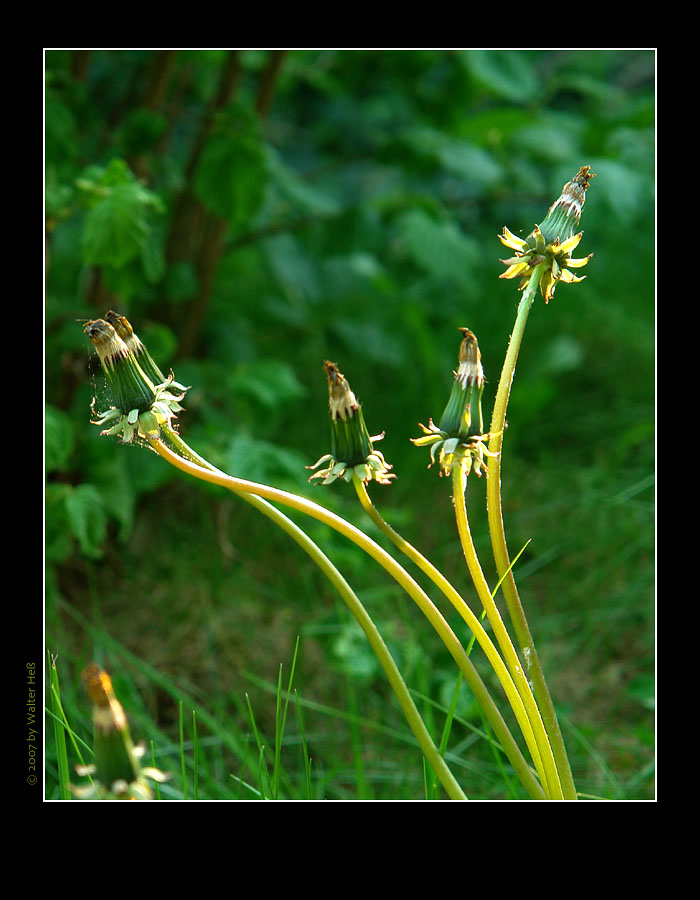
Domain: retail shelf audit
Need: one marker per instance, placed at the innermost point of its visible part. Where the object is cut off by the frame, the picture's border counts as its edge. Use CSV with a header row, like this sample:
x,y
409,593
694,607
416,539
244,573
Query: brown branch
x,y
79,63
189,213
266,88
213,231
162,67
161,72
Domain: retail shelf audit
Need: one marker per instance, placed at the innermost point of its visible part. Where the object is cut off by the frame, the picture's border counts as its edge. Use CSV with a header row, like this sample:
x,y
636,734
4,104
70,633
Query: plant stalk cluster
x,y
146,413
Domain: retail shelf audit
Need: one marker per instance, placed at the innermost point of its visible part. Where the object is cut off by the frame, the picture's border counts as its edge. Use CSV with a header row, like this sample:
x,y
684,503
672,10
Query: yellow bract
x,y
555,258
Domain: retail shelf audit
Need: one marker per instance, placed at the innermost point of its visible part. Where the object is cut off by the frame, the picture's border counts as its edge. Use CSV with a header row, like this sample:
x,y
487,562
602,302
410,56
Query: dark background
x,y
256,212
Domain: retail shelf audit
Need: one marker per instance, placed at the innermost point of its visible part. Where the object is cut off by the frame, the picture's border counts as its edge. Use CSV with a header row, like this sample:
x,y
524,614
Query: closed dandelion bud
x,y
459,438
350,439
148,365
550,244
462,416
130,387
117,773
114,749
352,448
141,406
565,213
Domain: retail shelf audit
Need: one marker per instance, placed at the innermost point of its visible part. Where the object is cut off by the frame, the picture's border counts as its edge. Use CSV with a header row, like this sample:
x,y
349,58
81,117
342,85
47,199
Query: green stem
x,y
60,727
500,548
550,777
429,610
427,746
478,688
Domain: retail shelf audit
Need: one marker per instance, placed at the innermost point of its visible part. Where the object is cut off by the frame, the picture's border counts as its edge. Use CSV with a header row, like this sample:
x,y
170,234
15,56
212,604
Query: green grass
x,y
232,639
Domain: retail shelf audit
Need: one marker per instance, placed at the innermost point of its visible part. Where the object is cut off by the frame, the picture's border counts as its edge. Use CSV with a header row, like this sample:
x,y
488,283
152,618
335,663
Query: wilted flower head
x,y
352,450
550,244
140,406
459,438
117,772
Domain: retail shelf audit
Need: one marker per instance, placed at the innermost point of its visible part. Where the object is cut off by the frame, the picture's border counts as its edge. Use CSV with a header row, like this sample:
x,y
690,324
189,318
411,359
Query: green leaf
x,y
270,382
58,438
265,461
116,230
472,163
58,196
643,690
295,270
97,182
142,130
111,477
439,248
370,340
161,343
125,281
153,260
293,192
115,173
231,176
86,518
504,73
492,127
181,281
552,138
60,130
625,190
58,544
352,654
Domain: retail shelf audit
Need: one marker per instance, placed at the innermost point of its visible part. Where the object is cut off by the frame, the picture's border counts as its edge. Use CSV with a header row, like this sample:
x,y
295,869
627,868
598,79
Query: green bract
x,y
123,328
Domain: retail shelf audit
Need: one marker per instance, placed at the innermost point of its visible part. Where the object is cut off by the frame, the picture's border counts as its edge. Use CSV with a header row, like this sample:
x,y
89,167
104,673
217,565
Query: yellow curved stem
x,y
240,485
550,776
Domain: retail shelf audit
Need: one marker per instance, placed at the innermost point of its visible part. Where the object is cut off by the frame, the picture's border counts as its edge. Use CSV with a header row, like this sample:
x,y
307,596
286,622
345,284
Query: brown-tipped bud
x,y
470,370
125,331
130,386
342,403
117,772
141,406
565,213
114,749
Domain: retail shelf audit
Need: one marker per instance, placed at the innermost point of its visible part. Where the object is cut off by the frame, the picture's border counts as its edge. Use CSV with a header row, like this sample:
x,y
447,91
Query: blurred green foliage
x,y
256,212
